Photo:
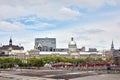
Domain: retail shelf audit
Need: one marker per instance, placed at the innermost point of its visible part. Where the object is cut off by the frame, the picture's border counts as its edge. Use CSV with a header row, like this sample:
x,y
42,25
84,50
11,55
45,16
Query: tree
x,y
35,62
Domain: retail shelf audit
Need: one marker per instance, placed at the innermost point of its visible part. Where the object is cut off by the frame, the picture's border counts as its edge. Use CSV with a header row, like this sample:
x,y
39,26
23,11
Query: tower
x,y
71,38
10,41
112,46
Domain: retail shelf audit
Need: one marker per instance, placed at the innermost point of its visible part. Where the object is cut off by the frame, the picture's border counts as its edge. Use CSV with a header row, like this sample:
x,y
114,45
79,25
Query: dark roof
x,y
14,47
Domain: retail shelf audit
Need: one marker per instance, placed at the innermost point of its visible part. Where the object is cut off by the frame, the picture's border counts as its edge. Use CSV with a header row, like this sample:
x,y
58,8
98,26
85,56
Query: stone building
x,y
116,55
7,49
33,53
72,49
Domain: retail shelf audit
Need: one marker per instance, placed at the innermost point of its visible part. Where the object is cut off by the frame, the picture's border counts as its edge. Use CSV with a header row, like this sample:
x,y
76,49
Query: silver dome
x,y
72,42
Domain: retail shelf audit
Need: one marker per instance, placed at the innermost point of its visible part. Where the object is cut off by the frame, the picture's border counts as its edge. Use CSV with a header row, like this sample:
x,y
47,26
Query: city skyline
x,y
92,23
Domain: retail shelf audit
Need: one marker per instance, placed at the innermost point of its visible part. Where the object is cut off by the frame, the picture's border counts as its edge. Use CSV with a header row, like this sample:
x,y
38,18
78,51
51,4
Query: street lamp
x,y
94,63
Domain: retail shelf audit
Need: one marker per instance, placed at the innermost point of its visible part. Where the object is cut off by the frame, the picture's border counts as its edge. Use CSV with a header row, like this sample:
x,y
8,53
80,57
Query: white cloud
x,y
68,13
97,34
88,35
8,11
27,41
101,35
112,2
9,26
49,9
41,26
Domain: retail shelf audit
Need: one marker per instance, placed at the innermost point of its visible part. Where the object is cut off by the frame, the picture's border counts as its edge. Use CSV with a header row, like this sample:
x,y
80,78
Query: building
x,y
6,49
92,50
45,44
94,55
70,52
116,55
33,53
47,47
72,49
49,44
21,54
82,49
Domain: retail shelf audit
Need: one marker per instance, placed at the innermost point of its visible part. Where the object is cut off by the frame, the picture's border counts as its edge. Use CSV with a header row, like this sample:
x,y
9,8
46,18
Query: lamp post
x,y
95,63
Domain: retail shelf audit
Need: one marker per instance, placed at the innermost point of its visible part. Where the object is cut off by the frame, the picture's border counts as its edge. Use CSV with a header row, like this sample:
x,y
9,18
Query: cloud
x,y
6,26
58,10
27,41
68,13
94,31
30,23
89,35
45,10
8,11
43,25
91,24
40,26
96,34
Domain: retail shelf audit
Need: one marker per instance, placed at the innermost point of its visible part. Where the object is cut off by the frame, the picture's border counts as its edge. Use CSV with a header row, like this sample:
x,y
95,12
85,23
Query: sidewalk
x,y
14,76
6,76
100,77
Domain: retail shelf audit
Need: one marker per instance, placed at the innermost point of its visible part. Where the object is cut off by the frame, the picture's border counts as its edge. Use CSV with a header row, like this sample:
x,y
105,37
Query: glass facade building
x,y
45,44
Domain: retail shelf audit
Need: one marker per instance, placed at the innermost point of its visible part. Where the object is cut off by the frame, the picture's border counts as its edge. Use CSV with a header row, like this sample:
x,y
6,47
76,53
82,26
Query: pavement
x,y
13,75
100,77
6,76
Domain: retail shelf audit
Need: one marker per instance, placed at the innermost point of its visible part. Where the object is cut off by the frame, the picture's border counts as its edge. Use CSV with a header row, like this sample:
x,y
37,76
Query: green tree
x,y
35,62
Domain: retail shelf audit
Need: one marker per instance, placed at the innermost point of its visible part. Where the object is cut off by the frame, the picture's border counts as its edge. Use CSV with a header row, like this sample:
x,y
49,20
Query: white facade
x,y
72,49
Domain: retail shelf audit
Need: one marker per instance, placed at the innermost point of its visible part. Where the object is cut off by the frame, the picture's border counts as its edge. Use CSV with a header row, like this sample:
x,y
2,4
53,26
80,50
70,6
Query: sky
x,y
92,23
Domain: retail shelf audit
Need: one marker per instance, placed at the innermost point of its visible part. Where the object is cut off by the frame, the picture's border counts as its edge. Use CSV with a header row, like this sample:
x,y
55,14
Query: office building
x,y
45,44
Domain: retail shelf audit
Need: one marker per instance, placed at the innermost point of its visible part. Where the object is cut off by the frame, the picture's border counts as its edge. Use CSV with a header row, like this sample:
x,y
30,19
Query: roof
x,y
88,53
50,53
65,53
14,47
10,46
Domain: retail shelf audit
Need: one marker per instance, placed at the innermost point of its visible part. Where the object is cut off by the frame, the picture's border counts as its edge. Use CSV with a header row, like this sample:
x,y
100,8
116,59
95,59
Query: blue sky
x,y
92,23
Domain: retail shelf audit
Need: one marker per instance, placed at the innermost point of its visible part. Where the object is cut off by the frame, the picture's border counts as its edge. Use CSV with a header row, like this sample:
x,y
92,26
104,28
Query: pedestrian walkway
x,y
100,77
19,77
13,75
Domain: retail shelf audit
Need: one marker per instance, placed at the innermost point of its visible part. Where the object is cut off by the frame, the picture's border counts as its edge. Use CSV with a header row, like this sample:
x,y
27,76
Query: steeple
x,y
10,41
71,38
112,45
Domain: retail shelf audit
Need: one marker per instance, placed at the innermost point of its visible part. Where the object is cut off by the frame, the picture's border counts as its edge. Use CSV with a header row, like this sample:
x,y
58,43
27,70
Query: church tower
x,y
10,41
112,46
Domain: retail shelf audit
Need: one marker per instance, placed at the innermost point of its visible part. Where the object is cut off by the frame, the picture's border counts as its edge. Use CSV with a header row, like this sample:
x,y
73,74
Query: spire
x,y
71,38
112,45
10,41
